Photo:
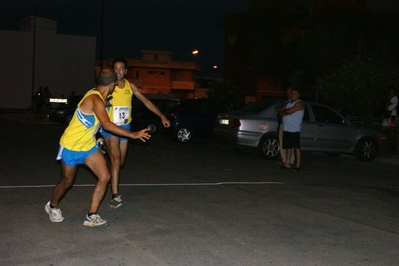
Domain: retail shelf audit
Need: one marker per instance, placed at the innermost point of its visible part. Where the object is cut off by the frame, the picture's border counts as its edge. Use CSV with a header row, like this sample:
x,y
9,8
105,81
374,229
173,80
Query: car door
x,y
332,132
307,130
199,119
190,113
211,110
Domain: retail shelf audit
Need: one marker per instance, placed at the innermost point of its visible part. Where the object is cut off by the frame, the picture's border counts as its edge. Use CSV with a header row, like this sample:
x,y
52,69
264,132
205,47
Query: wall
x,y
64,63
15,69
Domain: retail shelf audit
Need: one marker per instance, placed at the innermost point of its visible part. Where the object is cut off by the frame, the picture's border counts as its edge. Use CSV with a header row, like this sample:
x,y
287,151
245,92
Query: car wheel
x,y
183,134
68,118
366,149
269,147
244,150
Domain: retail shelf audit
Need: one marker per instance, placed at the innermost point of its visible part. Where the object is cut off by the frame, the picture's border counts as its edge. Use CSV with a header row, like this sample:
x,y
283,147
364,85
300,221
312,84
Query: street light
x,y
195,52
215,68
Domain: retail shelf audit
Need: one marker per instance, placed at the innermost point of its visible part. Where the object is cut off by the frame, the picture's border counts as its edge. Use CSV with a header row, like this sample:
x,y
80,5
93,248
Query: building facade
x,y
158,76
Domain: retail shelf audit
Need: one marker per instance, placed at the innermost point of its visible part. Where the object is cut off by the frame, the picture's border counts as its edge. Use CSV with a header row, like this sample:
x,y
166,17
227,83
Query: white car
x,y
323,130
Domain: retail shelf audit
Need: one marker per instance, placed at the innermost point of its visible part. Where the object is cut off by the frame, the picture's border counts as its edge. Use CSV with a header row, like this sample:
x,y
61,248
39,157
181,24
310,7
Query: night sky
x,y
180,26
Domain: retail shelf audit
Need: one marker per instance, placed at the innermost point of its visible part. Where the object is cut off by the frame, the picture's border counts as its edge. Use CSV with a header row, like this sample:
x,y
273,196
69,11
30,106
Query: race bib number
x,y
121,115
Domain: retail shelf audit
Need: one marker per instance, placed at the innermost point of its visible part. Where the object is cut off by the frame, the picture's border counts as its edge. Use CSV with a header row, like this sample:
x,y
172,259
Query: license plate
x,y
223,121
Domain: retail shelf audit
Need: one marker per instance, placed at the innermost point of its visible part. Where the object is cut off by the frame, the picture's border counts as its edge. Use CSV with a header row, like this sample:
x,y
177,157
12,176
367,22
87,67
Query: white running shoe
x,y
117,202
55,214
95,220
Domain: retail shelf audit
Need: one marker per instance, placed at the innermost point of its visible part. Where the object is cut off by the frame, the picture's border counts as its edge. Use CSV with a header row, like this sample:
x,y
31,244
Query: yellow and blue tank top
x,y
81,131
121,105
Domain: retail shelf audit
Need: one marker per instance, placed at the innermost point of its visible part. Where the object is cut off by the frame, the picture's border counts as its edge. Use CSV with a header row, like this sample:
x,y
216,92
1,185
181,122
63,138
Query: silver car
x,y
323,130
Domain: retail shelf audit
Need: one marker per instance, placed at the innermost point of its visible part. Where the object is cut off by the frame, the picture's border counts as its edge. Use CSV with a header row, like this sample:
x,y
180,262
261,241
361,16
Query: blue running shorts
x,y
73,158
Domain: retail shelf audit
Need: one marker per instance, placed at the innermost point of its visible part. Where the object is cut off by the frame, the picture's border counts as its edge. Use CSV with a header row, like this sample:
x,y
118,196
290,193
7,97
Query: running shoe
x,y
117,202
95,220
55,214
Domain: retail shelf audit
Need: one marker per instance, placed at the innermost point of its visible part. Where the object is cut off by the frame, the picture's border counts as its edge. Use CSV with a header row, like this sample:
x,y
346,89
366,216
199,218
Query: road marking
x,y
155,185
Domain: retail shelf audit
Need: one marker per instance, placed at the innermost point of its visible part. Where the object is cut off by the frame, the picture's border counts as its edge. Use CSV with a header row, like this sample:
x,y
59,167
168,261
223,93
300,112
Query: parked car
x,y
195,117
63,113
323,130
142,117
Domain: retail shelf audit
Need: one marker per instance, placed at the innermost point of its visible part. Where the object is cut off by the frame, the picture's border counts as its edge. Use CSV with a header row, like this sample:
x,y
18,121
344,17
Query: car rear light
x,y
235,123
172,115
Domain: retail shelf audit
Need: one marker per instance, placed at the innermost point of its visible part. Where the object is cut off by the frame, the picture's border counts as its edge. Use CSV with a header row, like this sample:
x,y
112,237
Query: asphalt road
x,y
197,204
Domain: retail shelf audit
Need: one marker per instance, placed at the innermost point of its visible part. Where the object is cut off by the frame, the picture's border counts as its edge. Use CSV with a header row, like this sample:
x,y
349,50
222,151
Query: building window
x,y
156,72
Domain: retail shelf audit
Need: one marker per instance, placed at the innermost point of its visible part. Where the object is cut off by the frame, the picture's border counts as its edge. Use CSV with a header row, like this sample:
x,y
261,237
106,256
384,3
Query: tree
x,y
327,42
358,86
225,92
267,30
343,34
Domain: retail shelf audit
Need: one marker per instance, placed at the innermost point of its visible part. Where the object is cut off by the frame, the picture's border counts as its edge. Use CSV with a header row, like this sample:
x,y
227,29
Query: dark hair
x,y
106,77
120,60
296,89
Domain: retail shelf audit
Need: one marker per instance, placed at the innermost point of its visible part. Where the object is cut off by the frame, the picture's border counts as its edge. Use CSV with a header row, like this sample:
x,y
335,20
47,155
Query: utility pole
x,y
101,34
34,54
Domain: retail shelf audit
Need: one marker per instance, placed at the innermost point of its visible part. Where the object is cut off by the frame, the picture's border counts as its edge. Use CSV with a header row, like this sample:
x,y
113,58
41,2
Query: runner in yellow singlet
x,y
78,146
120,113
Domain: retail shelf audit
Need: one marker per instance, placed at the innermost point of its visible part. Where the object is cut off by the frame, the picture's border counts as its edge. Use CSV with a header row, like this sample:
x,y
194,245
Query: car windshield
x,y
257,107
